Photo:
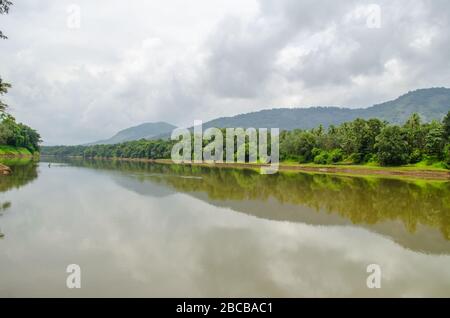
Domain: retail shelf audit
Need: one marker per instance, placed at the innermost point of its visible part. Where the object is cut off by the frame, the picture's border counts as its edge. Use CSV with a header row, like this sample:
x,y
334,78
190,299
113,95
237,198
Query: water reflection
x,y
23,172
414,214
157,230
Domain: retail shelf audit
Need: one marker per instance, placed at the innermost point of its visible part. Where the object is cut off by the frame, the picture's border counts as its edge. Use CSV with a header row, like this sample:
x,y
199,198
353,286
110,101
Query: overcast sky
x,y
136,61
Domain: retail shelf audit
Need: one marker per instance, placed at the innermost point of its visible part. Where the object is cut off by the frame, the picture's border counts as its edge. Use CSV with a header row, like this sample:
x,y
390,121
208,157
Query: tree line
x,y
356,142
370,141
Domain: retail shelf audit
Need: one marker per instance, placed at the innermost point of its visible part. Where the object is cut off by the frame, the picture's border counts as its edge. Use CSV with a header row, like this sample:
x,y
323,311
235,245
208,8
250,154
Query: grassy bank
x,y
9,151
13,155
409,171
418,172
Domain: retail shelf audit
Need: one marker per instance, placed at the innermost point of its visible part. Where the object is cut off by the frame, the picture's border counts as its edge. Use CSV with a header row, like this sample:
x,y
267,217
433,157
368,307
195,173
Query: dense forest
x,y
12,133
430,103
17,134
356,142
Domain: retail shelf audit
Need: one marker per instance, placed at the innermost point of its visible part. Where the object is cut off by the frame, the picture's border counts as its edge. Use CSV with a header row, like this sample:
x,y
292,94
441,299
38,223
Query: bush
x,y
302,159
321,158
354,158
335,156
315,152
415,156
447,155
429,160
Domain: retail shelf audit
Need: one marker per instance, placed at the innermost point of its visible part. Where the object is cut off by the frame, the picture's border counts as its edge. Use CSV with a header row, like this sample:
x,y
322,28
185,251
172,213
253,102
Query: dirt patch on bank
x,y
413,173
4,170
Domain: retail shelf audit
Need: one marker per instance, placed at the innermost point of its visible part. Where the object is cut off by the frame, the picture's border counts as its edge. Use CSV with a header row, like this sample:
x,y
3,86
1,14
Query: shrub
x,y
321,158
354,158
335,156
447,155
315,152
415,156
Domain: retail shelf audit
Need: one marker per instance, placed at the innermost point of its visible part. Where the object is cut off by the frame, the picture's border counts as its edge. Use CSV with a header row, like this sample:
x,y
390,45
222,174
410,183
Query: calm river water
x,y
141,229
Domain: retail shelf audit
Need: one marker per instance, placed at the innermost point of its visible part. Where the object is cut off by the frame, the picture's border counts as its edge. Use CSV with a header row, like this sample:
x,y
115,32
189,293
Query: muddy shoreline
x,y
400,172
4,170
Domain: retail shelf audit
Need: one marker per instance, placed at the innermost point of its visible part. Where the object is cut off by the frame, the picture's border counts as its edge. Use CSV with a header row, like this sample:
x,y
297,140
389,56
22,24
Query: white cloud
x,y
178,61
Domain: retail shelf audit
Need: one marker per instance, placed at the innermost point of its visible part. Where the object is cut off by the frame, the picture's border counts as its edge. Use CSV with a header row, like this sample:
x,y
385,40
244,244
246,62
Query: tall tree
x,y
446,124
435,141
4,9
3,90
392,146
415,134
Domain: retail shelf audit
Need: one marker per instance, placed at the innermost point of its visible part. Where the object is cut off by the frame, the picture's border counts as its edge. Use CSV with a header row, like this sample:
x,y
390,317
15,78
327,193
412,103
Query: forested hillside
x,y
360,141
430,104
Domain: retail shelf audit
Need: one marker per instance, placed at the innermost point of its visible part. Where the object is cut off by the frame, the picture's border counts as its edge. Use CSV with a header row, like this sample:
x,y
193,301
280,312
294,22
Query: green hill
x,y
432,103
146,130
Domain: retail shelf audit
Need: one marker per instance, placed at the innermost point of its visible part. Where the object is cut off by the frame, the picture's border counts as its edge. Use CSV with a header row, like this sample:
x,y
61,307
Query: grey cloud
x,y
154,61
242,54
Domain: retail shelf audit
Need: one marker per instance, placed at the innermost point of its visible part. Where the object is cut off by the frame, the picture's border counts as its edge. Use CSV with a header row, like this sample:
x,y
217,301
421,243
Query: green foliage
x,y
146,130
12,133
150,149
297,145
446,126
13,151
447,156
360,142
17,134
335,156
432,103
435,140
3,90
392,146
4,9
327,157
416,156
321,157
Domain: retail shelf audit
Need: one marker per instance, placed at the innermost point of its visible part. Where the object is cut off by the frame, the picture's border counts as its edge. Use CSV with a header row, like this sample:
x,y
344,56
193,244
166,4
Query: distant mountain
x,y
146,131
432,103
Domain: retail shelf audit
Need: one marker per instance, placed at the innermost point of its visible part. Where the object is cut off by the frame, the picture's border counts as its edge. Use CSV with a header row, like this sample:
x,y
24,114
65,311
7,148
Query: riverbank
x,y
409,172
8,153
4,170
403,171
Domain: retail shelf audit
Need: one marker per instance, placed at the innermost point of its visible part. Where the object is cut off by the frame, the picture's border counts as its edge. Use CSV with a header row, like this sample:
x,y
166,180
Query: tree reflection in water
x,y
23,172
362,200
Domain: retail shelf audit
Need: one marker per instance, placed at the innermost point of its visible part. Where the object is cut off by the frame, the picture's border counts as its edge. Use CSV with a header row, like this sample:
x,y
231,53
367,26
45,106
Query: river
x,y
155,230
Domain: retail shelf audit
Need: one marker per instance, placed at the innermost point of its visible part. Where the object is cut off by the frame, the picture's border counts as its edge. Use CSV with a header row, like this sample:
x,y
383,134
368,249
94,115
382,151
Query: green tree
x,y
17,134
415,135
3,90
447,155
392,146
435,140
4,9
446,126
